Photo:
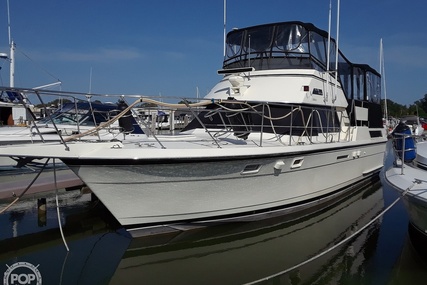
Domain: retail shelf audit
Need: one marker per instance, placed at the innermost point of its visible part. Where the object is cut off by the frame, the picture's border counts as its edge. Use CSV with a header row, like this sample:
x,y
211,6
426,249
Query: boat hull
x,y
417,211
409,181
416,205
163,192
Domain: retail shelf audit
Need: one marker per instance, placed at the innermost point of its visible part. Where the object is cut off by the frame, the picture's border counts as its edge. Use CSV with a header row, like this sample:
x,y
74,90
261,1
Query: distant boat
x,y
414,123
71,119
279,133
13,110
169,121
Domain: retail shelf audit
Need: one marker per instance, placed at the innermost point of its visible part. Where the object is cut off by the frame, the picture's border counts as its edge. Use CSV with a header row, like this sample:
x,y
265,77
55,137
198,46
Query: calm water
x,y
103,253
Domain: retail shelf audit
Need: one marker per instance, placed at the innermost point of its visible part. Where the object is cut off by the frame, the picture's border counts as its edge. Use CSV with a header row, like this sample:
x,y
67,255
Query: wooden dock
x,y
12,186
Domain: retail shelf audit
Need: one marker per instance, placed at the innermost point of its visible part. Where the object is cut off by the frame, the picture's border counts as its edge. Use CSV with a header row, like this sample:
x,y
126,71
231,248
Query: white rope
x,y
26,189
336,245
57,207
121,114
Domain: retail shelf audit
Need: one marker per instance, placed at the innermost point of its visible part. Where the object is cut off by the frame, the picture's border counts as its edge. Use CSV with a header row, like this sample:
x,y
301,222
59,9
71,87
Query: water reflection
x,y
411,267
241,254
103,253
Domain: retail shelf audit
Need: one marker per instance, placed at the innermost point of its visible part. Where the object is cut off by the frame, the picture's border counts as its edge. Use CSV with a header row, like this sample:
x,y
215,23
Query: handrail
x,y
54,125
293,125
400,153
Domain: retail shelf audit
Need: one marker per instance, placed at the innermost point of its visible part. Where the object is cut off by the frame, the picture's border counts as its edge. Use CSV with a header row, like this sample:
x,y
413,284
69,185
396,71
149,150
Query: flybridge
x,y
298,45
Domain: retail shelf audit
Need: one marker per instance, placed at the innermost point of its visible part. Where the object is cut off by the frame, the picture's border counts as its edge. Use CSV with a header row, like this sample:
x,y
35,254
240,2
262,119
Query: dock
x,y
13,185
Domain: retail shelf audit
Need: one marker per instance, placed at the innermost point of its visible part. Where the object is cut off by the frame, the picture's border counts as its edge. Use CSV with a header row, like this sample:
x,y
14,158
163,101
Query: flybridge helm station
x,y
298,45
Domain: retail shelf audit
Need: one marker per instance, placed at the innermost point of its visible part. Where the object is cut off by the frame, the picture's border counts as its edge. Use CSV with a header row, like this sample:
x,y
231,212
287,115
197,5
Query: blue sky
x,y
172,47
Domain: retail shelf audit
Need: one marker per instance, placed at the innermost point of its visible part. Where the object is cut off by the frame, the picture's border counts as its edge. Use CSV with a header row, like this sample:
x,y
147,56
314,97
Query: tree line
x,y
396,110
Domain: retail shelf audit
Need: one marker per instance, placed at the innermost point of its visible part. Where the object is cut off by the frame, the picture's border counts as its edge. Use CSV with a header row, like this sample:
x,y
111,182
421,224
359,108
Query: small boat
x,y
12,111
168,121
280,132
70,119
405,171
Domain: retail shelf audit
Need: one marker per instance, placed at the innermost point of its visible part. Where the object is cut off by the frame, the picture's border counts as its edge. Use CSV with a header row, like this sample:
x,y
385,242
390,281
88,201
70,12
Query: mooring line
x,y
61,277
336,245
26,189
57,206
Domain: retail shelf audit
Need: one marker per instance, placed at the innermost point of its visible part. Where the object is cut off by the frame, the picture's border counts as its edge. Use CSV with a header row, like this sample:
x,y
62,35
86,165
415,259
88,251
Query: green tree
x,y
395,109
422,106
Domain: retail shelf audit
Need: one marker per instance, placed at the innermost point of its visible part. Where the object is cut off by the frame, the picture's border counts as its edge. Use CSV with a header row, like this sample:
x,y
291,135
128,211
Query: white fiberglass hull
x,y
174,192
409,181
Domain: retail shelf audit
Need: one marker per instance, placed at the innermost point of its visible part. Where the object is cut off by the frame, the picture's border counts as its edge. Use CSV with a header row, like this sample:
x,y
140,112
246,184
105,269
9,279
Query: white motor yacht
x,y
282,130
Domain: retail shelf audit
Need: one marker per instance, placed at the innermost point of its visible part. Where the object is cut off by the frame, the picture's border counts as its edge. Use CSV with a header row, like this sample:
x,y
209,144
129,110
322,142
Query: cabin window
x,y
373,90
318,48
259,41
234,45
358,83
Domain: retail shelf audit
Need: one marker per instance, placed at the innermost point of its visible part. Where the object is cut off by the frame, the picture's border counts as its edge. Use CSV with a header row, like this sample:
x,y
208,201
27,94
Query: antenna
x,y
325,98
329,35
225,24
382,72
337,50
12,50
249,53
8,23
90,80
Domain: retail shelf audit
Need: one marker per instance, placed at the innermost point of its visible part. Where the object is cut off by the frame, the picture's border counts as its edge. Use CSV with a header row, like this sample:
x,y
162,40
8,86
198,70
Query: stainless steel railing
x,y
290,124
404,147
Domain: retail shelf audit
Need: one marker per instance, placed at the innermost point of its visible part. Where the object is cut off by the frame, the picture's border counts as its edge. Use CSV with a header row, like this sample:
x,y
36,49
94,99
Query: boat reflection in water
x,y
411,267
240,254
101,252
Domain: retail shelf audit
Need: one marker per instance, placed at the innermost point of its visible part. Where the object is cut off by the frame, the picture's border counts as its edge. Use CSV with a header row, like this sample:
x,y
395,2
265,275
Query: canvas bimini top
x,y
298,45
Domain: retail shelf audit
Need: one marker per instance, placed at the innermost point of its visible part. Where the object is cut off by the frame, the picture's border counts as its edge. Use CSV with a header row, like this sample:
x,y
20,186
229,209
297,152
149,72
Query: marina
x,y
288,170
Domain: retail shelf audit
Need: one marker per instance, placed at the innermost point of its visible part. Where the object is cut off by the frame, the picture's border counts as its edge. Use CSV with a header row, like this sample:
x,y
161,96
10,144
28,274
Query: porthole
x,y
297,162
